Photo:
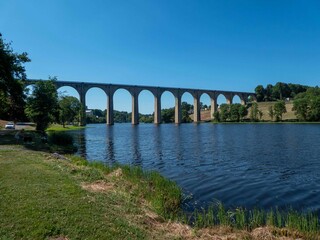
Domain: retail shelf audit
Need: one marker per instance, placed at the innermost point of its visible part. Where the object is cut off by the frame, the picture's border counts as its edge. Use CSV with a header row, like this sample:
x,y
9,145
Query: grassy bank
x,y
42,196
57,127
50,196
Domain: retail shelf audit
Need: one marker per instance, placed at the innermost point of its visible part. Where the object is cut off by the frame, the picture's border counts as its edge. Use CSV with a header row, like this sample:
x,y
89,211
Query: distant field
x,y
263,106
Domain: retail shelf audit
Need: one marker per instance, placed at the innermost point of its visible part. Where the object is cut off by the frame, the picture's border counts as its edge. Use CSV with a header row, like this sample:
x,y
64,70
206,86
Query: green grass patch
x,y
42,197
59,128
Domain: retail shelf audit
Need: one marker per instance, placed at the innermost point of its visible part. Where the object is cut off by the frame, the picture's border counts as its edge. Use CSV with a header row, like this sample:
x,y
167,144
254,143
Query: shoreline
x,y
200,226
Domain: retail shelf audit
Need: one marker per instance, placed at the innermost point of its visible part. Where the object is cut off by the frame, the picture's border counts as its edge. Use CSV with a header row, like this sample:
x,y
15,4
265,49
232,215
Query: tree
x,y
216,116
186,110
307,105
167,115
279,109
268,93
260,93
224,114
271,112
234,112
243,111
42,105
69,109
254,112
12,72
260,113
300,106
314,109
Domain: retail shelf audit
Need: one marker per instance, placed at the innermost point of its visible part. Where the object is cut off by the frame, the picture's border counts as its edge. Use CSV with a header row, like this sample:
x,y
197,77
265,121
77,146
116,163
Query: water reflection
x,y
135,146
157,139
109,151
240,164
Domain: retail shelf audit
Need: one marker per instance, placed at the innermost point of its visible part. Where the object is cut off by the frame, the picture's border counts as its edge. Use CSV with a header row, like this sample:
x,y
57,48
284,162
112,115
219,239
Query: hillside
x,y
263,106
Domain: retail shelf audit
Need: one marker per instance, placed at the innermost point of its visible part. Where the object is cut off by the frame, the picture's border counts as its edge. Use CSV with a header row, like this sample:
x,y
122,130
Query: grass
x,y
57,127
42,197
59,141
304,225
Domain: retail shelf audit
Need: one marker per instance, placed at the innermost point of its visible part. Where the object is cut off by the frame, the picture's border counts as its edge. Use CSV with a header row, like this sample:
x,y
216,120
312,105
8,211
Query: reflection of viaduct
x,y
110,89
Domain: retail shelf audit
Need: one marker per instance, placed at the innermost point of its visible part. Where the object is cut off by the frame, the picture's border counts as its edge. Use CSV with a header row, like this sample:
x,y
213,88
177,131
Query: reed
x,y
240,218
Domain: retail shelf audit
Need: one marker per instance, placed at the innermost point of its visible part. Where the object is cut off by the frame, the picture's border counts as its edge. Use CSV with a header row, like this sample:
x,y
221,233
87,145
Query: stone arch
x,y
236,98
221,99
168,106
146,100
205,106
187,107
99,97
122,100
68,91
96,98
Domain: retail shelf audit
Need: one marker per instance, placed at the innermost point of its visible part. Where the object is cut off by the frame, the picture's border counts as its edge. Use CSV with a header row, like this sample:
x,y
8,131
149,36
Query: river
x,y
249,165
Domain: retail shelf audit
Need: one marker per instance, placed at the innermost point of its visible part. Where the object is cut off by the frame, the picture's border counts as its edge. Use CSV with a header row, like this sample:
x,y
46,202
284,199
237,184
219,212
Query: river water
x,y
249,165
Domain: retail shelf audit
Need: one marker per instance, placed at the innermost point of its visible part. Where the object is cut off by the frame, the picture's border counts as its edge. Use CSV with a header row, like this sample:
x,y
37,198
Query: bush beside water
x,y
61,142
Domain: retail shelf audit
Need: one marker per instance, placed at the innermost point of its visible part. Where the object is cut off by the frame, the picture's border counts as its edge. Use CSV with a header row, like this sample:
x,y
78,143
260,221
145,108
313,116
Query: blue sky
x,y
225,44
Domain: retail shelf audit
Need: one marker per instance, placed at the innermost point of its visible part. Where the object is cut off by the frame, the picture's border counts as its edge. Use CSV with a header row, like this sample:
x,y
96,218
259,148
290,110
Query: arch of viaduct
x,y
109,89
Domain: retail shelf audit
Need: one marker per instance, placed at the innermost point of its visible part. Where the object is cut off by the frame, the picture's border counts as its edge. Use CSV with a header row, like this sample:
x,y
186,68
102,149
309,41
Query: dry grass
x,y
98,186
264,107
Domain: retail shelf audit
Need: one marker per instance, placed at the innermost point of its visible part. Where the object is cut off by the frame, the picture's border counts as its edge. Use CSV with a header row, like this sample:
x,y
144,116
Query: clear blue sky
x,y
217,44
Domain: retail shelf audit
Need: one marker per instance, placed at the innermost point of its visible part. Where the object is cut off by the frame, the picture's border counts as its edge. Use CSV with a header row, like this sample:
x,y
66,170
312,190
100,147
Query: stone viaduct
x,y
134,90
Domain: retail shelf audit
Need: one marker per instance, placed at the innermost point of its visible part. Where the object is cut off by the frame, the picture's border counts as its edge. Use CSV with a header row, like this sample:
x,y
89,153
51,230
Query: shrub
x,y
60,139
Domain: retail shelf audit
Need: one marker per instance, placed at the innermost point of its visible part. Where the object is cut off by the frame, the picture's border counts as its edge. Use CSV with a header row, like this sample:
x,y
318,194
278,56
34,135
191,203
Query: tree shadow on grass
x,y
33,140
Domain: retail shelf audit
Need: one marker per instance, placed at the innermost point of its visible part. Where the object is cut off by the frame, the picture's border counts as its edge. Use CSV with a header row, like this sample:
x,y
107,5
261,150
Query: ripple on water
x,y
263,165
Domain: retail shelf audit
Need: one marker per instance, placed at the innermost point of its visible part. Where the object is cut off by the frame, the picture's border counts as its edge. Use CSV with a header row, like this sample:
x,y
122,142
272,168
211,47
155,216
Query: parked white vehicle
x,y
9,125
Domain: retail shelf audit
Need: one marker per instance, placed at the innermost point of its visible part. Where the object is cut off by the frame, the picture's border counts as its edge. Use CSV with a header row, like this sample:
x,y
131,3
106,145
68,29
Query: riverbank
x,y
50,196
59,128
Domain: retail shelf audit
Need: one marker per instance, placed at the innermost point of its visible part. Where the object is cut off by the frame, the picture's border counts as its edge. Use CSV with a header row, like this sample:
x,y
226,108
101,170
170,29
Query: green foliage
x,y
121,117
231,112
42,104
254,113
271,112
69,109
186,110
260,93
243,111
60,138
61,142
279,109
167,115
234,112
224,112
240,218
307,105
216,116
279,91
12,73
97,116
146,118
